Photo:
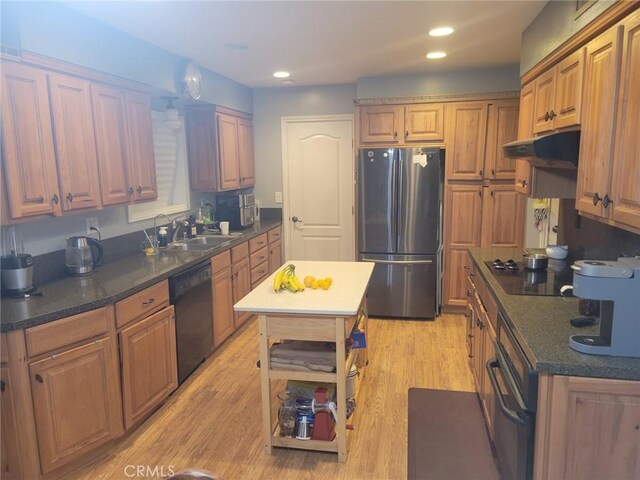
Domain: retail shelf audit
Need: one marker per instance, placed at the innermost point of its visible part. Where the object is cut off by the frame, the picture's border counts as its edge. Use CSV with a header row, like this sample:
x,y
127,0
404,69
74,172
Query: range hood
x,y
556,150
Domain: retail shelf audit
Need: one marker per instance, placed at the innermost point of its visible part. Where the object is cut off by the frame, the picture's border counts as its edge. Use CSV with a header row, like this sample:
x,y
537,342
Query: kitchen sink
x,y
201,243
181,247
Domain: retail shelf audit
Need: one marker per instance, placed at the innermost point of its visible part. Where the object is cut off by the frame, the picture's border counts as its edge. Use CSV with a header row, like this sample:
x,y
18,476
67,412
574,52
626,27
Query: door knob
x,y
295,219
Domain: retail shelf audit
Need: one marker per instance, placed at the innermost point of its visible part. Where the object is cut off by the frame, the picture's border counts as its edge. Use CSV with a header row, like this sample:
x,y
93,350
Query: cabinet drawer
x,y
259,273
239,252
62,333
490,306
258,257
274,234
221,261
257,243
142,304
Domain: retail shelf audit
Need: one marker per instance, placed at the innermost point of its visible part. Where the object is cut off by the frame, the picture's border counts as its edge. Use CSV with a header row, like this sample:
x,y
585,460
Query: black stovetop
x,y
534,282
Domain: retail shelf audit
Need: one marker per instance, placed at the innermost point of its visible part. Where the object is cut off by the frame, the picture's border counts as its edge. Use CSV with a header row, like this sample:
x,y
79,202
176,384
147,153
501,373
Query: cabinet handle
x,y
469,293
481,172
524,183
70,197
139,190
469,335
596,198
148,302
493,172
491,192
546,116
552,115
39,378
55,198
467,267
406,134
467,315
130,190
395,134
470,356
606,201
2,385
260,272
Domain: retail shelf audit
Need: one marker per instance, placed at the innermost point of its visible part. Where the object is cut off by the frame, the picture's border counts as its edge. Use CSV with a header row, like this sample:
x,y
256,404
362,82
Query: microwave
x,y
238,209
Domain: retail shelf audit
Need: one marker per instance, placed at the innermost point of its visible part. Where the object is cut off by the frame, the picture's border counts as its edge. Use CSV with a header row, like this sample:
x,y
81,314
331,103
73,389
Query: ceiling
x,y
324,42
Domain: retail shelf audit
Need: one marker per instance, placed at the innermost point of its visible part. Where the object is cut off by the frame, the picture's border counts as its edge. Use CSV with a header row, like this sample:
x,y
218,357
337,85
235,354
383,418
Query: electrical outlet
x,y
278,197
92,222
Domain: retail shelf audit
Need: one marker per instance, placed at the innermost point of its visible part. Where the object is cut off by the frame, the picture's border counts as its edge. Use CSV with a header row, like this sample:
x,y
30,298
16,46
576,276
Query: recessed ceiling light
x,y
434,55
236,46
281,74
440,31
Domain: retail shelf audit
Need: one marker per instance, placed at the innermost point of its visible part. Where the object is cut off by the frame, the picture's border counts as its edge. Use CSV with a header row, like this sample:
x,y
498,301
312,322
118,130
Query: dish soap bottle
x,y
162,237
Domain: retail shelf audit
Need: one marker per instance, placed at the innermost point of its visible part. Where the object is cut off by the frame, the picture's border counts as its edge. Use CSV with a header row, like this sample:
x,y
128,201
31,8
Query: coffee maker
x,y
616,285
16,266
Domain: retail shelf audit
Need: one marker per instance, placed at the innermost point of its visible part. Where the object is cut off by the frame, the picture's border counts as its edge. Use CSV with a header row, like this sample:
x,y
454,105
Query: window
x,y
171,173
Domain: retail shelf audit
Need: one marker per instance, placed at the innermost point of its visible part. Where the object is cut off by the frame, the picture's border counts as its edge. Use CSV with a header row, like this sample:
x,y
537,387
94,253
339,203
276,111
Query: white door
x,y
318,214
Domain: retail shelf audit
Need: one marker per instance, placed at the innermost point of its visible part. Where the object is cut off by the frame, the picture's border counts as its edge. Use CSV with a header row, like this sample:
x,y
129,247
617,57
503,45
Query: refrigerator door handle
x,y
397,262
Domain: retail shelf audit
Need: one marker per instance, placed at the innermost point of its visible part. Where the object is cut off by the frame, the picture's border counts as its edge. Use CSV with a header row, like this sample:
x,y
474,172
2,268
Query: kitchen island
x,y
311,315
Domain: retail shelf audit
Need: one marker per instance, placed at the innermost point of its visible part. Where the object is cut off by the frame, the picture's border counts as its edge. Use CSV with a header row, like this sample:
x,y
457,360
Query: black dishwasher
x,y
190,294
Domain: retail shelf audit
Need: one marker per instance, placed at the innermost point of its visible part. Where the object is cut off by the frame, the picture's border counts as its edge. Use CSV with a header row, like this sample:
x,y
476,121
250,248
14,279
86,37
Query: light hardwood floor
x,y
214,422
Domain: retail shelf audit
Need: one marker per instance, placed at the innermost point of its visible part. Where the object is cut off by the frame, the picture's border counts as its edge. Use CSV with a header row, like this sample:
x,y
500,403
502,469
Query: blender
x,y
16,266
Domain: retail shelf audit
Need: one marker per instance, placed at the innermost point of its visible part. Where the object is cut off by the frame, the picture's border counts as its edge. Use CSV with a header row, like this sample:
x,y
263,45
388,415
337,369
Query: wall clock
x,y
191,80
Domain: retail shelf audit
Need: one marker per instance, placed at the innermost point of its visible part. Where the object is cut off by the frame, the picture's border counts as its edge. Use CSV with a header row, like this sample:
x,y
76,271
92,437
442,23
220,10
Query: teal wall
x,y
57,31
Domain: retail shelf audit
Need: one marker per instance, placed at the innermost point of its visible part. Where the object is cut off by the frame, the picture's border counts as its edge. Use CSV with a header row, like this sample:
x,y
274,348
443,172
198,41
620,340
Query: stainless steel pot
x,y
535,261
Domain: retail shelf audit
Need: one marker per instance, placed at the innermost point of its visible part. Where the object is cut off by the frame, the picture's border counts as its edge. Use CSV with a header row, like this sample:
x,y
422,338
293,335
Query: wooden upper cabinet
x,y
525,130
625,181
502,128
503,212
598,116
424,123
246,161
111,144
76,400
220,148
558,94
75,142
380,123
31,178
141,157
465,137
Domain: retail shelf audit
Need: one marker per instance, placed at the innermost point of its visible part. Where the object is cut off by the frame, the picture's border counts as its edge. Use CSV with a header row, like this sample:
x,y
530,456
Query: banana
x,y
277,282
283,279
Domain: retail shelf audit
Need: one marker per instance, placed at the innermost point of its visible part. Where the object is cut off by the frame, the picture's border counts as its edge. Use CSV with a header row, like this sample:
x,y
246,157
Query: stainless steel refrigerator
x,y
399,229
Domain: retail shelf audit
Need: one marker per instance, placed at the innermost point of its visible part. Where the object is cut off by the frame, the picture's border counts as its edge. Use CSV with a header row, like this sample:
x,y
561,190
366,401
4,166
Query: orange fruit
x,y
328,281
308,280
315,284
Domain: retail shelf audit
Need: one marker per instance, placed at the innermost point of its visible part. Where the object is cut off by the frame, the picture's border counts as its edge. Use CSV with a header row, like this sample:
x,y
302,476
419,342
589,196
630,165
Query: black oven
x,y
515,385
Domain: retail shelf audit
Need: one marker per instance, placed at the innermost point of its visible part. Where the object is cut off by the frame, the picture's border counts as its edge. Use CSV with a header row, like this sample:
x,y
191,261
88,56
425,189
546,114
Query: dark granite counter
x,y
109,283
541,326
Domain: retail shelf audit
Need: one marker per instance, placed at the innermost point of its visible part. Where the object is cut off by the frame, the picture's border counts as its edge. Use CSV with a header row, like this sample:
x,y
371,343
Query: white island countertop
x,y
350,280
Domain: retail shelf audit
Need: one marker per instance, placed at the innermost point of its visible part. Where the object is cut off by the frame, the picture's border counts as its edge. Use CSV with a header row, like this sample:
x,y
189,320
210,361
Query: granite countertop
x,y
541,326
109,283
350,280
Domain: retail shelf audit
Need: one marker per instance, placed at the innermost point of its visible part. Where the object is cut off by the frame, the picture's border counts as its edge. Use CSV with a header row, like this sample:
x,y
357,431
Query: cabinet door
x,y
75,142
30,173
543,102
222,287
149,365
9,454
228,151
625,181
598,115
525,130
201,147
462,230
246,162
568,95
502,128
142,161
241,287
465,136
111,144
488,395
76,400
380,123
275,256
424,123
503,212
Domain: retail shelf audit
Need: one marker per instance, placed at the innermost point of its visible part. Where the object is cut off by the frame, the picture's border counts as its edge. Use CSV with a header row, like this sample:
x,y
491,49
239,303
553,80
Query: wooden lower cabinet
x,y
241,287
275,256
76,399
9,454
587,428
222,290
149,364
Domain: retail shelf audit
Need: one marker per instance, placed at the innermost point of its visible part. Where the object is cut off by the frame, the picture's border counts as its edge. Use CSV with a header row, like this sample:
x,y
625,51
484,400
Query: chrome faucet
x,y
175,227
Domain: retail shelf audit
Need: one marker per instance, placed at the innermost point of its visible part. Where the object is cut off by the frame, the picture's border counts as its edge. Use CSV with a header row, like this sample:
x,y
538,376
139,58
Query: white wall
x,y
269,106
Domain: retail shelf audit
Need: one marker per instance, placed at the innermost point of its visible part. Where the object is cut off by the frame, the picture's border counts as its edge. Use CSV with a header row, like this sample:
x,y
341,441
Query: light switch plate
x,y
278,197
92,222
